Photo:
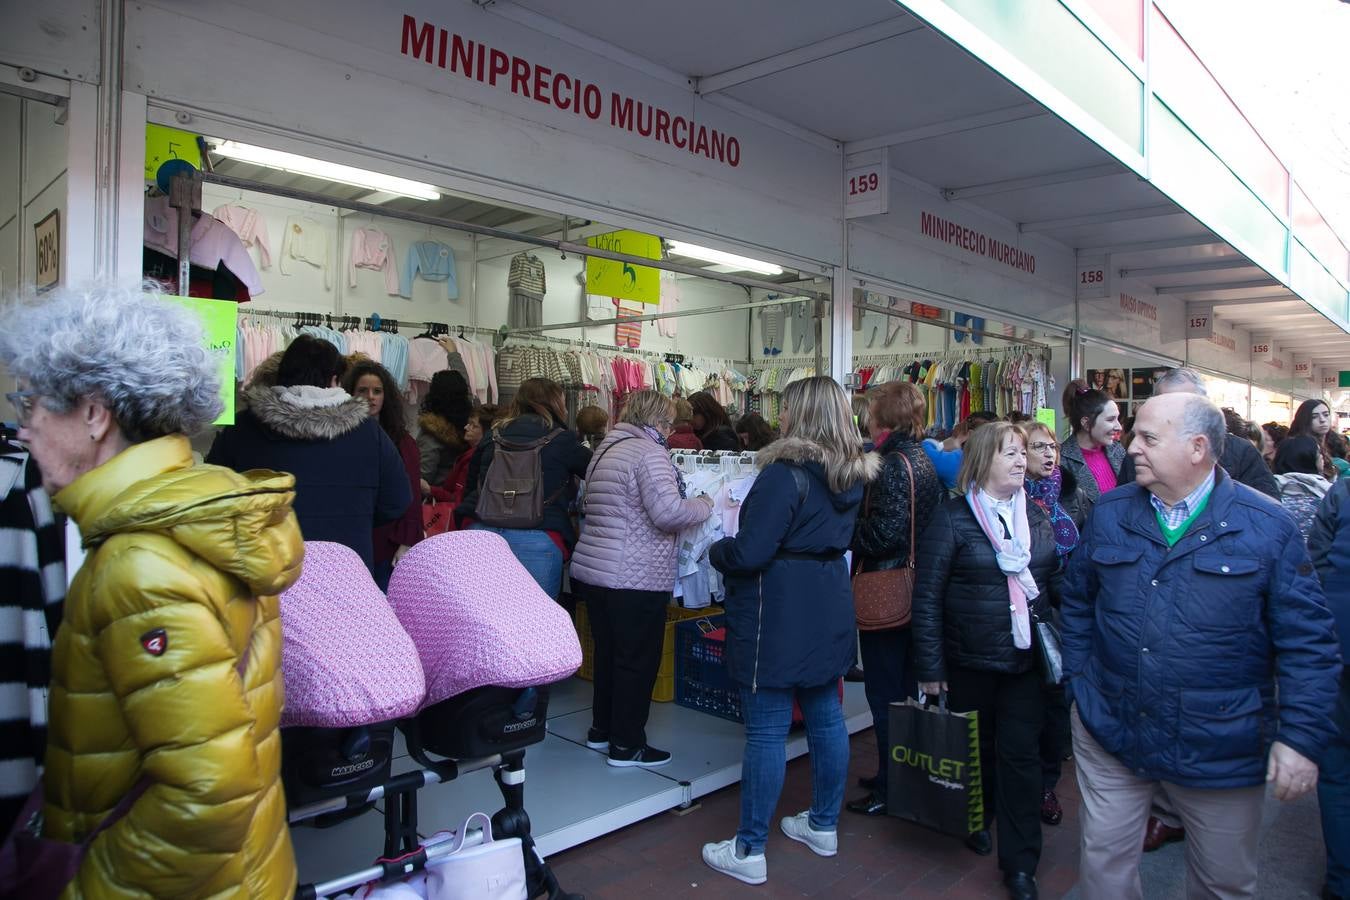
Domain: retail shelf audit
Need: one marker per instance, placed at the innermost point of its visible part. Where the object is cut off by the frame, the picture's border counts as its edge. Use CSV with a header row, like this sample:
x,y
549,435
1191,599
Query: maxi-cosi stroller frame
x,y
403,852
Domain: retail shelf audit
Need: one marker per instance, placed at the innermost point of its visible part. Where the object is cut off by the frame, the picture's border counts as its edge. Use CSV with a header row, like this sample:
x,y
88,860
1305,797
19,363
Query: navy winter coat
x,y
788,599
349,476
1173,654
1329,547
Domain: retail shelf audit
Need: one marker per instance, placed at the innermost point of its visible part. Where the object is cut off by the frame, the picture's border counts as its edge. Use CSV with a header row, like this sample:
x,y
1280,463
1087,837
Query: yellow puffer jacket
x,y
184,567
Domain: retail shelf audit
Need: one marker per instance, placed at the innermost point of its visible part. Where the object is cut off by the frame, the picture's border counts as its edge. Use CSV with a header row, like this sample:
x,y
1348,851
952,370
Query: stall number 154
x,y
863,184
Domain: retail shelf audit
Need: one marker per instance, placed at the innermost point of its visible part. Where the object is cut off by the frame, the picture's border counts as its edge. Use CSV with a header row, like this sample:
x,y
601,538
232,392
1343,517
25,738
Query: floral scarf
x,y
665,445
1044,492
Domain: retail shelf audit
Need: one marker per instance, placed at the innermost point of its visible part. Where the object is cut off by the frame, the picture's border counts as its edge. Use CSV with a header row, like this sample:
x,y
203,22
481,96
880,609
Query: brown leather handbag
x,y
883,599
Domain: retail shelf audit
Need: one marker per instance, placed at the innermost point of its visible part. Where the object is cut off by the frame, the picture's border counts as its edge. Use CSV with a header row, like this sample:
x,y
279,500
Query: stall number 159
x,y
863,184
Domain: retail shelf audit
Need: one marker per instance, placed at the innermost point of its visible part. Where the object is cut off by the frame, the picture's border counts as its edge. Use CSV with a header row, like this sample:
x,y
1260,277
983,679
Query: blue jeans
x,y
535,551
768,716
1333,795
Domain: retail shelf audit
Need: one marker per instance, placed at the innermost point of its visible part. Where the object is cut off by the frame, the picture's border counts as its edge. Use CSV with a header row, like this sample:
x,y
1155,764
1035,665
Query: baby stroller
x,y
484,643
351,672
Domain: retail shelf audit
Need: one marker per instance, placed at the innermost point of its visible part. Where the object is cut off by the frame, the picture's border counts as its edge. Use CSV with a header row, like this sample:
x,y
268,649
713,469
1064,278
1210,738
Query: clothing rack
x,y
735,461
370,323
656,355
973,353
653,317
767,362
939,323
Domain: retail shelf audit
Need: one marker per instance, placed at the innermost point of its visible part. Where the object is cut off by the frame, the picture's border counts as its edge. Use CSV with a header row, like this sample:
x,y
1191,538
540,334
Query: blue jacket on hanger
x,y
432,260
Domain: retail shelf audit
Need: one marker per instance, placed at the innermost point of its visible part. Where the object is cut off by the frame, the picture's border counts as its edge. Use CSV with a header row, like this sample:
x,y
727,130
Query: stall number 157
x,y
863,184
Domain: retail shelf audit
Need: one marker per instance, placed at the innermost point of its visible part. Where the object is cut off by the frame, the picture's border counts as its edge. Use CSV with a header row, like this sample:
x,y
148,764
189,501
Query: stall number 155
x,y
863,184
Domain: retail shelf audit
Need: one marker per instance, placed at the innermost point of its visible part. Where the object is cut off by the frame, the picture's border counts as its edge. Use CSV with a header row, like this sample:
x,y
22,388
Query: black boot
x,y
1021,885
980,842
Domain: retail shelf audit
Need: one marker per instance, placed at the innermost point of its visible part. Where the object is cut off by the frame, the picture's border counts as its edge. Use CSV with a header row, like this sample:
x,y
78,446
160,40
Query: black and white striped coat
x,y
32,588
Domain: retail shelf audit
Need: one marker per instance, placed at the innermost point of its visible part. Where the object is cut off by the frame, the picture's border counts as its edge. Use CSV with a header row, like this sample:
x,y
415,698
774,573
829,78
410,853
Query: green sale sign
x,y
218,329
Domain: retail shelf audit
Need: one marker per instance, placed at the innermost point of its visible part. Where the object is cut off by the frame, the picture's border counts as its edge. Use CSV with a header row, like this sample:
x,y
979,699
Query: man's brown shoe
x,y
1158,835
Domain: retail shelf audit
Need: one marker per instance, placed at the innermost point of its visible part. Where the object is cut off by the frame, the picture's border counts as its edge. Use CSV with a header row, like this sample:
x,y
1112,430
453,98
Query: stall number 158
x,y
863,184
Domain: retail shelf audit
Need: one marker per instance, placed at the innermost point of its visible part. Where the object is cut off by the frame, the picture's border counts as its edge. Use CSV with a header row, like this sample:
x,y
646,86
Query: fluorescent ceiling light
x,y
738,263
317,168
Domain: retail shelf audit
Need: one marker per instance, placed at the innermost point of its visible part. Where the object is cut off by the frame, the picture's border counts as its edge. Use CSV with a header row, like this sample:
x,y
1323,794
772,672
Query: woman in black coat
x,y
882,542
790,618
349,476
974,611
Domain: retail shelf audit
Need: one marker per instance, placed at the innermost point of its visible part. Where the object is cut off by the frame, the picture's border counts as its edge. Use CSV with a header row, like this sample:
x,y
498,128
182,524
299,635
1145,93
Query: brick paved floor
x,y
882,857
659,859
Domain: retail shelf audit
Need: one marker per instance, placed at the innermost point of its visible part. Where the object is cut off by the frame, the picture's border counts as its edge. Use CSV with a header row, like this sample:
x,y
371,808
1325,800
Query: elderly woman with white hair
x,y
166,692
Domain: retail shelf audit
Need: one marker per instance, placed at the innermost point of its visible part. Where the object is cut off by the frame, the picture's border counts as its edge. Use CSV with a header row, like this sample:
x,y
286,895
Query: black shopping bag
x,y
934,768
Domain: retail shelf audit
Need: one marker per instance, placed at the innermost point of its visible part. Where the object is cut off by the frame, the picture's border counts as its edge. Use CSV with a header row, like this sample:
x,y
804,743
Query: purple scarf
x,y
1044,492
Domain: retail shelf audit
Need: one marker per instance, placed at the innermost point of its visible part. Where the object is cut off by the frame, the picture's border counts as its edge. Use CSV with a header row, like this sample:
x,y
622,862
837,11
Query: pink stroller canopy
x,y
346,659
478,618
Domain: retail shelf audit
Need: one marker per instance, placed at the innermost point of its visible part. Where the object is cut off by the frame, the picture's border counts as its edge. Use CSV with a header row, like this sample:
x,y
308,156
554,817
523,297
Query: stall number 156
x,y
863,184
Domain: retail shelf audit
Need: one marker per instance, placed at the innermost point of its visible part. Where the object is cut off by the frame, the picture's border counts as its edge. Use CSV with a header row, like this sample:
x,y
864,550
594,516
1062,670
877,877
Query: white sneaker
x,y
722,857
798,827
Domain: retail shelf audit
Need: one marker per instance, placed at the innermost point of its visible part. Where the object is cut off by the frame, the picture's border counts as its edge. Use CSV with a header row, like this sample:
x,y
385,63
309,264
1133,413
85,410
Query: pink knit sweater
x,y
1100,467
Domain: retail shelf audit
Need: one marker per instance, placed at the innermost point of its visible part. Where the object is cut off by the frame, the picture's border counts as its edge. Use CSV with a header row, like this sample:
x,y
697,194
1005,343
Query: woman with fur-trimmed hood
x,y
789,617
440,436
349,476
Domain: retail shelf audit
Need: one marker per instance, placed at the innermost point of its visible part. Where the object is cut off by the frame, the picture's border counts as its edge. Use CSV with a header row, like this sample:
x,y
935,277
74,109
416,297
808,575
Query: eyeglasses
x,y
23,402
1040,447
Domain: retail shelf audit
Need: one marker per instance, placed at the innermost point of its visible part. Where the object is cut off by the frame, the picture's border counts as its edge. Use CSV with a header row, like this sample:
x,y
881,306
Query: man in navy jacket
x,y
1329,547
1188,598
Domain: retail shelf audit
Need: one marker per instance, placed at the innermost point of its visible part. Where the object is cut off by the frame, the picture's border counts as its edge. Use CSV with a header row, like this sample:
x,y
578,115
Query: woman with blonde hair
x,y
624,568
789,617
537,419
988,559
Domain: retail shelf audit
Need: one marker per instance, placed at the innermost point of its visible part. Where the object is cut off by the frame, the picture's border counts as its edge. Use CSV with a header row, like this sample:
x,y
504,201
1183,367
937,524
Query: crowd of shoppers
x,y
1186,594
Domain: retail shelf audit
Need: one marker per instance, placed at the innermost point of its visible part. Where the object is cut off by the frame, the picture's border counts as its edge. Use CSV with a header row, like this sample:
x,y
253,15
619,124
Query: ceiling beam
x,y
1102,218
1068,176
1223,286
1199,240
1289,297
952,126
1208,265
1329,344
1276,328
781,62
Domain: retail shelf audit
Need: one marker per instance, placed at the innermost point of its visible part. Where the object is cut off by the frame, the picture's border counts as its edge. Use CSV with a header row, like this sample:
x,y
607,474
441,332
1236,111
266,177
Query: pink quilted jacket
x,y
633,515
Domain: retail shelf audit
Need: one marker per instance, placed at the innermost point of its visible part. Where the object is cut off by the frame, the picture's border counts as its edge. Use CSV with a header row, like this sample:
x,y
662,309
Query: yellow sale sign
x,y
612,278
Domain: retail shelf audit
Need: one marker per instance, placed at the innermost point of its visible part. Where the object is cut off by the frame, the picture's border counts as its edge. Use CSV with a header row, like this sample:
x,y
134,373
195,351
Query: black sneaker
x,y
646,757
597,740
